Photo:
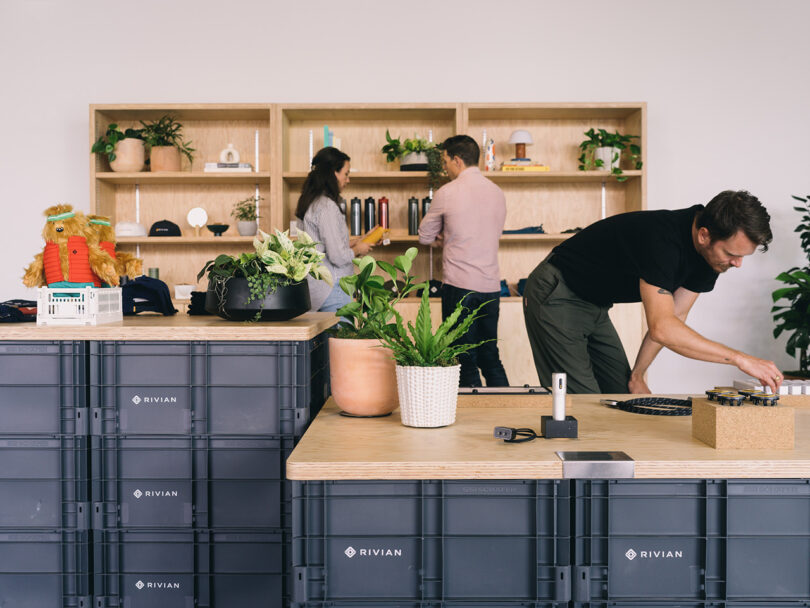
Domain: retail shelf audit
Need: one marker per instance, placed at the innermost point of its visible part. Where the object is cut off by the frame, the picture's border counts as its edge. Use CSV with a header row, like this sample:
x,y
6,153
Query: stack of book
x,y
523,164
228,168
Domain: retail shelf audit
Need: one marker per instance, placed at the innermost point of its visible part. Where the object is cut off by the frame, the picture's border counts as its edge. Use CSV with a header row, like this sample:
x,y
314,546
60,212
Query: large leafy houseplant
x,y
601,138
277,261
795,315
167,131
396,148
106,143
371,310
419,346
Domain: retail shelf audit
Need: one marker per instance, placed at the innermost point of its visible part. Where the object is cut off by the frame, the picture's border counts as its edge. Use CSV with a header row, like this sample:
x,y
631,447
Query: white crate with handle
x,y
78,306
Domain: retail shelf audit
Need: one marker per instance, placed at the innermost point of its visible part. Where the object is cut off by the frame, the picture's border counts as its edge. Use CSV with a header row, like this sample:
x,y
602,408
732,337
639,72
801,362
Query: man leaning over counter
x,y
664,259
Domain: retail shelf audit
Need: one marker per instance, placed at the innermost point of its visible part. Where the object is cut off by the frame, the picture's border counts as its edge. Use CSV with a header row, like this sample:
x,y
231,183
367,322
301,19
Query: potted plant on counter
x,y
164,137
795,316
427,365
363,376
603,151
124,149
244,212
415,154
268,284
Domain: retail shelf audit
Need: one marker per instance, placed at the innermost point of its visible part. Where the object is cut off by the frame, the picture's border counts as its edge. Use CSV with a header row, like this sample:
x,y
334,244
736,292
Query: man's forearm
x,y
647,353
680,338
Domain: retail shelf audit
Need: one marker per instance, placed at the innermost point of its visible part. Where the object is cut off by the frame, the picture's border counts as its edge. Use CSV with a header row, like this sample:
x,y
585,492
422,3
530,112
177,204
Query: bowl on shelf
x,y
217,229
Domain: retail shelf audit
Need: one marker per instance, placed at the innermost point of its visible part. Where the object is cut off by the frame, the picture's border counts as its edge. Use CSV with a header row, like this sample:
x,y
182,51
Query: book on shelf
x,y
228,168
229,165
525,168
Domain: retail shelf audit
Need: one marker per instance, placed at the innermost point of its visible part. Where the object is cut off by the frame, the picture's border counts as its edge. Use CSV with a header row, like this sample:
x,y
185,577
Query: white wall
x,y
726,82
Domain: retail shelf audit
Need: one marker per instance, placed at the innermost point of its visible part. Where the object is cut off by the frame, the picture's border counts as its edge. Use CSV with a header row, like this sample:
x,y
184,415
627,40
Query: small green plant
x,y
276,261
245,210
396,148
419,346
107,142
167,132
371,308
795,316
600,138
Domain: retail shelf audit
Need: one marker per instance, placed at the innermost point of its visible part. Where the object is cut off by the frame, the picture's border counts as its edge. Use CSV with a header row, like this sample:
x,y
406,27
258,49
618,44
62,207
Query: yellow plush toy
x,y
68,260
100,232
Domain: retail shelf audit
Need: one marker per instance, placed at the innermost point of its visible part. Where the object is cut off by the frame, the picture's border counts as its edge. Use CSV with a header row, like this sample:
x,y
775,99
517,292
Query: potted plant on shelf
x,y
363,376
244,212
124,149
267,284
415,154
603,151
427,366
164,137
795,316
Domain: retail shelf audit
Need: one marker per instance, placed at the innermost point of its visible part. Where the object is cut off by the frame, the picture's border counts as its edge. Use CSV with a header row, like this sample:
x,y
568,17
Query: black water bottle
x,y
371,213
356,228
425,206
413,215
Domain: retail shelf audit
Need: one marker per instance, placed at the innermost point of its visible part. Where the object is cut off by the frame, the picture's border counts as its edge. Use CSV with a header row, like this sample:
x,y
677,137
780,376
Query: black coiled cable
x,y
653,406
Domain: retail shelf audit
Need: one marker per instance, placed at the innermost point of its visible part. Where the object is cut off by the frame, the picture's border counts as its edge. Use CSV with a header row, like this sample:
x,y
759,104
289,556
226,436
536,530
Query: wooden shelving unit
x,y
560,199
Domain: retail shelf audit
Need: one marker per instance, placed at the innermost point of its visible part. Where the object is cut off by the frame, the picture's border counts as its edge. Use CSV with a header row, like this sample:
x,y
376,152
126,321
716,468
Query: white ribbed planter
x,y
610,157
427,395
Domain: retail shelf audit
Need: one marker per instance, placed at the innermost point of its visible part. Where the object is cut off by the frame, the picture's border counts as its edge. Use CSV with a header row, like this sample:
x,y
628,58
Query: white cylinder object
x,y
558,389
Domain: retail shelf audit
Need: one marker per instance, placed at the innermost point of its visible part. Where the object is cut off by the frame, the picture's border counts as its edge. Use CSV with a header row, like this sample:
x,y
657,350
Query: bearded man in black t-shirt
x,y
664,259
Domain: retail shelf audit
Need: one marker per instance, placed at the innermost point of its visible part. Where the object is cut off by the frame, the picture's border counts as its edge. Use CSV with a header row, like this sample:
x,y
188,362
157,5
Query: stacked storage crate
x,y
44,512
425,544
189,441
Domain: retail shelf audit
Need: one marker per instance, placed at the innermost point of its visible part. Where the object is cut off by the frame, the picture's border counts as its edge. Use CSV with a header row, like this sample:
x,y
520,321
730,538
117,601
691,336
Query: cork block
x,y
743,427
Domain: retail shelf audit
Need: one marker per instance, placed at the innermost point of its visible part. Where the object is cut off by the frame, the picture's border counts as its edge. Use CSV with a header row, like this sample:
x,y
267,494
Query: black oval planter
x,y
283,304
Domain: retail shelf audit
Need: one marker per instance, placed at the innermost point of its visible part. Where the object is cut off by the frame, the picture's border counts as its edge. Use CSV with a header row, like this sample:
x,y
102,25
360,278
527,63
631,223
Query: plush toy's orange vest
x,y
78,262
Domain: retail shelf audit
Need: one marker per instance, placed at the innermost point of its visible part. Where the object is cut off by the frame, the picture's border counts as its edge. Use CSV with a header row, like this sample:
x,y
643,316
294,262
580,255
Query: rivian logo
x,y
136,400
654,554
631,555
139,585
350,552
151,585
137,494
155,493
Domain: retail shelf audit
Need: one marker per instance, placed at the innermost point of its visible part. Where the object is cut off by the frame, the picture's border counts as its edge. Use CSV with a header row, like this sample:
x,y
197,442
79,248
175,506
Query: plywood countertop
x,y
177,327
337,447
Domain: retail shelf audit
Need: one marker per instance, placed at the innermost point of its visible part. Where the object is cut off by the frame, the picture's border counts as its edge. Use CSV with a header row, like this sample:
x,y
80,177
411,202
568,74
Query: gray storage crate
x,y
367,542
193,482
43,482
207,388
44,569
192,568
650,540
43,387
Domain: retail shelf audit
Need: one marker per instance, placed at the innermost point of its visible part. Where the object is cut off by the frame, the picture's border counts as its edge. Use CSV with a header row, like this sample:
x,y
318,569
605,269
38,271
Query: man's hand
x,y
638,386
761,369
438,241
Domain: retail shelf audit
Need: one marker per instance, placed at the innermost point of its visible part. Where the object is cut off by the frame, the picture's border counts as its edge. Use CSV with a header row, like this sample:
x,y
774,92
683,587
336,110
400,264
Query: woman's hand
x,y
360,247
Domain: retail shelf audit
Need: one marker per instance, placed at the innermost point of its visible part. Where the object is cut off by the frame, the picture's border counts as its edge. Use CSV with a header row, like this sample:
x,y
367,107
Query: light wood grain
x,y
336,447
178,327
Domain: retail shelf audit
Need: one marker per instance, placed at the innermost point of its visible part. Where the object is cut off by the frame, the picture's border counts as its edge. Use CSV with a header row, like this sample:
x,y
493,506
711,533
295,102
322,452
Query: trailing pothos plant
x,y
371,310
795,316
277,261
106,143
419,346
600,138
396,148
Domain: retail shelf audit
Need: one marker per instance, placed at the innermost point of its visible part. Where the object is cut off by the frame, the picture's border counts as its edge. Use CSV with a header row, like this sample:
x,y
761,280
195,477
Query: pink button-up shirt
x,y
470,212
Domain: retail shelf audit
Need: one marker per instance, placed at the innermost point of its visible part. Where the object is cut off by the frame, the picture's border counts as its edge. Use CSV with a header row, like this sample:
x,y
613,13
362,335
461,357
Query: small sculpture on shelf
x,y
100,232
69,259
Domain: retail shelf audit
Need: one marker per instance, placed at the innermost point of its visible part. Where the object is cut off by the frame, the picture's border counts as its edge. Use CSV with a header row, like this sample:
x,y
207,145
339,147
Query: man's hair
x,y
463,147
734,210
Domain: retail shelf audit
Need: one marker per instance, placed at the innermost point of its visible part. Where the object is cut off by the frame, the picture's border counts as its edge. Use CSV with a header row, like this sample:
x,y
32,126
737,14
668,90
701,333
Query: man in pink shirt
x,y
467,217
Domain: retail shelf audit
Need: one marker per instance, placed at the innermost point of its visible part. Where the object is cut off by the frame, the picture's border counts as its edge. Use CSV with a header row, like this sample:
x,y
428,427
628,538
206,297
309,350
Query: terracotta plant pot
x,y
363,377
164,158
130,156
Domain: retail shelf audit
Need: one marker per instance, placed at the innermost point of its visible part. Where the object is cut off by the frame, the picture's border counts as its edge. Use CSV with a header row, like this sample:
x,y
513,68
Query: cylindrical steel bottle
x,y
371,214
413,215
382,212
356,228
425,205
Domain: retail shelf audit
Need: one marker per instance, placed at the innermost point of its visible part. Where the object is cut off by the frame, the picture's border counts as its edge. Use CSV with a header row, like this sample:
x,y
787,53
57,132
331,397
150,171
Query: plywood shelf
x,y
183,177
402,236
368,177
558,177
184,240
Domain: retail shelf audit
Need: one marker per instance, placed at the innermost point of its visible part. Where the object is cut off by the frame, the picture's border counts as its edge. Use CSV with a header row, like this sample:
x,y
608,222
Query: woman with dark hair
x,y
321,218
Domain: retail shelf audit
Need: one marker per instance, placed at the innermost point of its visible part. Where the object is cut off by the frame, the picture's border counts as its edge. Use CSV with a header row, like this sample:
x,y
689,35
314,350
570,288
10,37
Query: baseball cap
x,y
164,228
129,229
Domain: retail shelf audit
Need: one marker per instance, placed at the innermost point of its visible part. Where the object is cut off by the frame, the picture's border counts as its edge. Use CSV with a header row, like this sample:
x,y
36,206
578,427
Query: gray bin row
x,y
173,388
593,543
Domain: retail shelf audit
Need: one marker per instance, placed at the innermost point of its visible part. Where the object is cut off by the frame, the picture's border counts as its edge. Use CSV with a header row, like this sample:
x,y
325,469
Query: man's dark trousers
x,y
486,356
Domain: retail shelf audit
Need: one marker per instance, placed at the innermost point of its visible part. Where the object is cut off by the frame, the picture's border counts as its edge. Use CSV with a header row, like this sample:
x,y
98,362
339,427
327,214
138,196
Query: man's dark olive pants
x,y
568,334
